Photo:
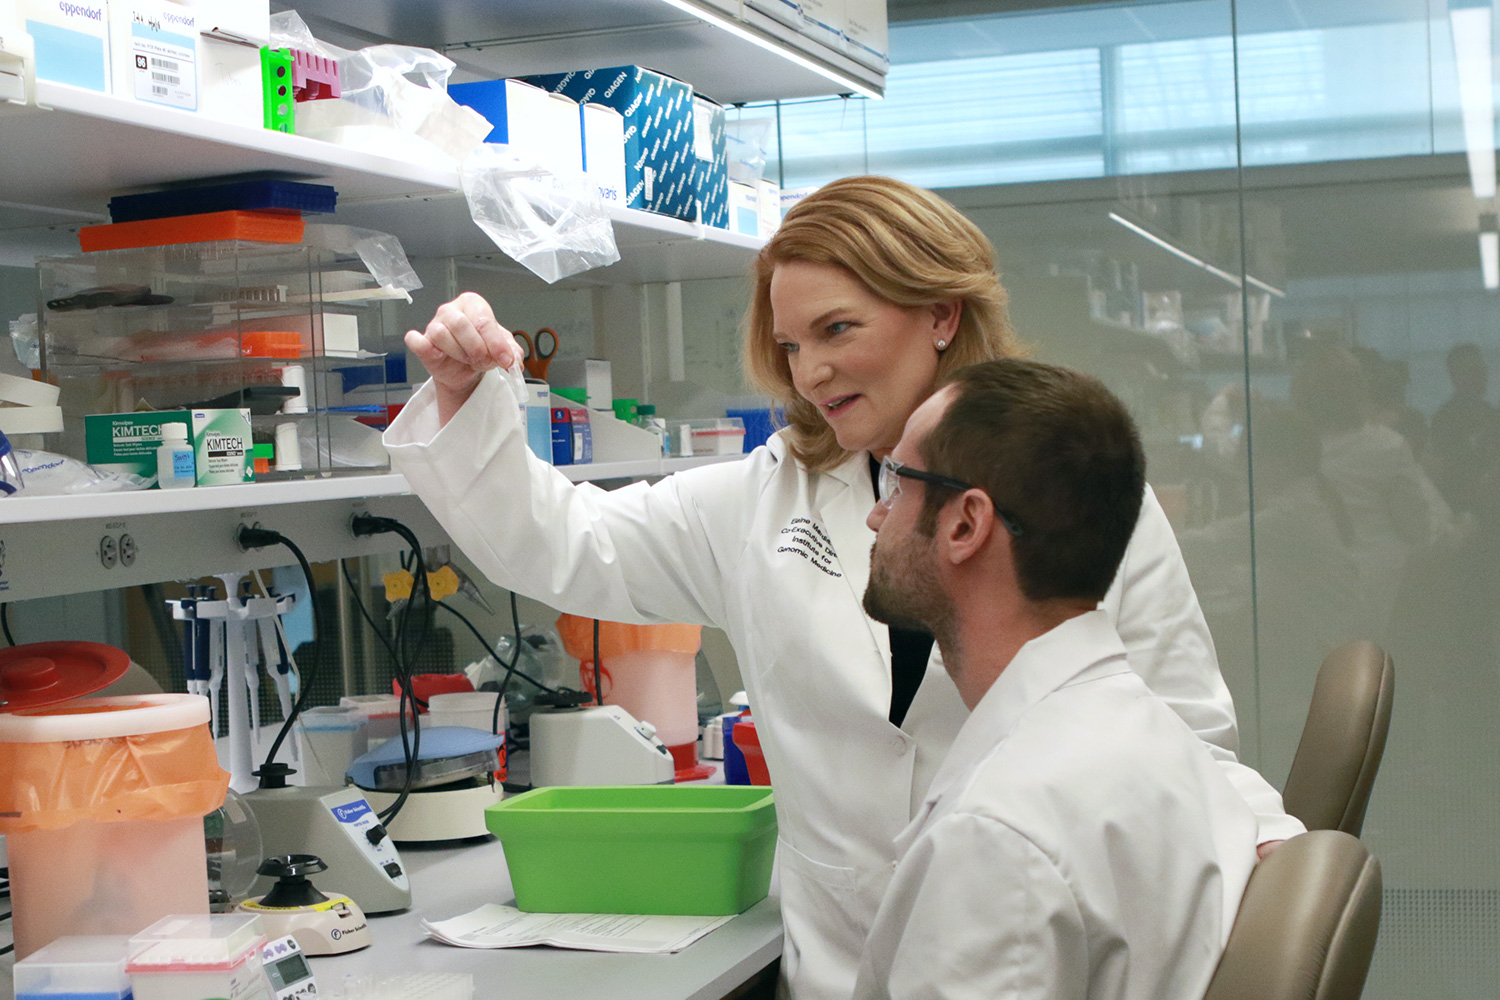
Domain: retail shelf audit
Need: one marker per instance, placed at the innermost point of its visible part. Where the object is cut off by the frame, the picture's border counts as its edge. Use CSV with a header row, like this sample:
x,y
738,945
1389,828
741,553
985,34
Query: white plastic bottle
x,y
175,465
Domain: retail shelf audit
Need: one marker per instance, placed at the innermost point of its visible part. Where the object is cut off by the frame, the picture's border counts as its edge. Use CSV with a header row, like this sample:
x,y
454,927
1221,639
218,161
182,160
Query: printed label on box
x,y
164,68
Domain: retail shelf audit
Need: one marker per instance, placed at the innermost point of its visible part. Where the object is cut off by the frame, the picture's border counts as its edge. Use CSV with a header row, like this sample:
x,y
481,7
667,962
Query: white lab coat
x,y
778,558
1077,843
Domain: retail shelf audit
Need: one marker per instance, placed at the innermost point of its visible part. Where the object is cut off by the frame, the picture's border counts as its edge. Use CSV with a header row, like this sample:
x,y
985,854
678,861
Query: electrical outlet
x,y
127,550
109,551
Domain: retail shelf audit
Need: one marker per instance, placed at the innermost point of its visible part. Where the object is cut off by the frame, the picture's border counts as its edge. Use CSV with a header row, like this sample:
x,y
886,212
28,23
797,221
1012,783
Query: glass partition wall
x,y
1269,225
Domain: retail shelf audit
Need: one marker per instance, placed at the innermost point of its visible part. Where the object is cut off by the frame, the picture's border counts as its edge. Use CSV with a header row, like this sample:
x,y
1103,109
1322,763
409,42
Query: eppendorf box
x,y
127,442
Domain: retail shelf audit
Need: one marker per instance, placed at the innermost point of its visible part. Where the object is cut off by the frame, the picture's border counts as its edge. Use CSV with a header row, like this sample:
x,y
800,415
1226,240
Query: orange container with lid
x,y
648,670
101,799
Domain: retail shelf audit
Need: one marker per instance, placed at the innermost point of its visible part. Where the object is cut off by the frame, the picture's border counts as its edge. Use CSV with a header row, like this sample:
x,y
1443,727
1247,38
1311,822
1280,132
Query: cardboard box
x,y
539,125
711,171
771,206
823,22
589,374
72,41
658,113
231,33
867,34
127,442
604,150
786,11
154,51
744,209
572,437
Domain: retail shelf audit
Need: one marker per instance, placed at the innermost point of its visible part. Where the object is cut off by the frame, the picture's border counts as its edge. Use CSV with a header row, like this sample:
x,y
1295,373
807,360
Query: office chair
x,y
1343,739
1306,927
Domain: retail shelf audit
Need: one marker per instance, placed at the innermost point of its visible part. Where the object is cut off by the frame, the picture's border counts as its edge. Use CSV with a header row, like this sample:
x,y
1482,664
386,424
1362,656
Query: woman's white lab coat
x,y
778,558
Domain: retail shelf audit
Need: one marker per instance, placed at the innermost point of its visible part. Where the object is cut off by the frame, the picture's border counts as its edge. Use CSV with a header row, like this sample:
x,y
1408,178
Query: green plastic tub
x,y
701,849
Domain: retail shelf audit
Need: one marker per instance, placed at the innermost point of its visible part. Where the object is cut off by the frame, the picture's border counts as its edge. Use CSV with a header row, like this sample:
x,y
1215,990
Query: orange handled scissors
x,y
538,351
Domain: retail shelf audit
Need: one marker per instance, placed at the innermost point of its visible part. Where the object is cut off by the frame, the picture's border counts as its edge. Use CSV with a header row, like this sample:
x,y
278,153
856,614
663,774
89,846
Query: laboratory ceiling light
x,y
1489,259
1471,23
1177,251
849,84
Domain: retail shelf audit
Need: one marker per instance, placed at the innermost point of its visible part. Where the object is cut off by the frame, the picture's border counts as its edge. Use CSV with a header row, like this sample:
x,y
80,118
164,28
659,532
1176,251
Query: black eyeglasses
x,y
892,472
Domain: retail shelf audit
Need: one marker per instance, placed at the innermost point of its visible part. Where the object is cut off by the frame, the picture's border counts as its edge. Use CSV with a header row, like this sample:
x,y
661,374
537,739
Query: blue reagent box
x,y
658,112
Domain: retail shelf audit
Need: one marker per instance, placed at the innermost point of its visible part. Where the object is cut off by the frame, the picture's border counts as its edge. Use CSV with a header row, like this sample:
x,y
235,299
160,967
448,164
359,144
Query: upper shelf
x,y
63,162
23,509
726,49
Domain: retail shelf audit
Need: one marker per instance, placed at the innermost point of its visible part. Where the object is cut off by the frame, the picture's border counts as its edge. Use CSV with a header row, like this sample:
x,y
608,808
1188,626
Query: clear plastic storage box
x,y
197,956
76,968
293,333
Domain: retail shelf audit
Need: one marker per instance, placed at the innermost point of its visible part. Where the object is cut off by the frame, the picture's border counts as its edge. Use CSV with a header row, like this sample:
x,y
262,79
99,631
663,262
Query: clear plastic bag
x,y
47,473
554,224
402,87
747,142
382,253
23,337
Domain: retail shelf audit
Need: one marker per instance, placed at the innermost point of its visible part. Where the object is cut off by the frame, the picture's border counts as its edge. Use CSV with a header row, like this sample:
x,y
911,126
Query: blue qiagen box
x,y
660,173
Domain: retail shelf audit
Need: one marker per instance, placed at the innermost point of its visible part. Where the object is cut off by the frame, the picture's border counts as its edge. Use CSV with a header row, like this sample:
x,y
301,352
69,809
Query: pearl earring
x,y
942,345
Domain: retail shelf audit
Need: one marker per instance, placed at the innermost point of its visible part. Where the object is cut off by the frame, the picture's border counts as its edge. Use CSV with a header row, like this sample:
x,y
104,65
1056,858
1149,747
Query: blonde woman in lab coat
x,y
868,294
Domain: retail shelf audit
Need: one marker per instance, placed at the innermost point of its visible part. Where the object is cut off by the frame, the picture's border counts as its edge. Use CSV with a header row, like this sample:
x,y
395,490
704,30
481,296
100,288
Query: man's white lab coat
x,y
778,558
1077,843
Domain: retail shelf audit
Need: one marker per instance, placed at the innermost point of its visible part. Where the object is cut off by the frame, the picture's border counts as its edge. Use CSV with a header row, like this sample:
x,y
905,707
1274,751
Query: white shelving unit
x,y
63,160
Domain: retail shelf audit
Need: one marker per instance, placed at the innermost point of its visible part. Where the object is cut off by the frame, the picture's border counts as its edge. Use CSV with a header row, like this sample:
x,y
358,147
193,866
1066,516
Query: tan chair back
x,y
1306,927
1343,739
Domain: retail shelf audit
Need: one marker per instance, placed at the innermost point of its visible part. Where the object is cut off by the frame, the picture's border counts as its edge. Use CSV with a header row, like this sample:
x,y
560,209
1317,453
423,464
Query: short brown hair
x,y
1058,453
906,245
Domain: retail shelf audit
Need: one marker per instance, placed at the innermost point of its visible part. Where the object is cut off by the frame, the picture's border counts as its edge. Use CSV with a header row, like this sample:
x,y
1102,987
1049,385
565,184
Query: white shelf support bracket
x,y
676,360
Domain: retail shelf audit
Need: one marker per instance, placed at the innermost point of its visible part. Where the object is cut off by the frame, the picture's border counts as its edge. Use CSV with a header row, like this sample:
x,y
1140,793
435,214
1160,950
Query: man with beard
x,y
1078,840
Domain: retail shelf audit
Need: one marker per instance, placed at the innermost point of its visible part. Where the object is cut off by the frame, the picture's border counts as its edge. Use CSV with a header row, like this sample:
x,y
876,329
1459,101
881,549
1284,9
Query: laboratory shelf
x,y
63,162
350,486
641,468
726,49
78,148
137,502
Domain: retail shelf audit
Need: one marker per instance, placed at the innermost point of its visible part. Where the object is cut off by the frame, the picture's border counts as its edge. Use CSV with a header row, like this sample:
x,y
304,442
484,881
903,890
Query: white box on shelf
x,y
17,59
589,374
617,441
744,209
71,41
604,150
154,52
562,138
823,21
769,196
786,11
231,33
867,33
538,125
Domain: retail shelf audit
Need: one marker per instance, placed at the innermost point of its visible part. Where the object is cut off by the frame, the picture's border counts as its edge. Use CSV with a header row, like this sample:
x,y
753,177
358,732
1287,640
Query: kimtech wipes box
x,y
658,112
127,442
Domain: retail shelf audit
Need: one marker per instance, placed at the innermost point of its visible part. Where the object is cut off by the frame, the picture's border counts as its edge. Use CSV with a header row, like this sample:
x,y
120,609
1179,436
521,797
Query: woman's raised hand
x,y
463,341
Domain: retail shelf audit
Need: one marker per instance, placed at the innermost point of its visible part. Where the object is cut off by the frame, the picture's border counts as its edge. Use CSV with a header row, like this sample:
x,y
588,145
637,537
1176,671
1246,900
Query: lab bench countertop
x,y
453,879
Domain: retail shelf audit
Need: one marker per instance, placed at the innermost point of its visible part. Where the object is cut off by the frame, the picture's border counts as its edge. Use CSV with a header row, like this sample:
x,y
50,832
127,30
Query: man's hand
x,y
463,341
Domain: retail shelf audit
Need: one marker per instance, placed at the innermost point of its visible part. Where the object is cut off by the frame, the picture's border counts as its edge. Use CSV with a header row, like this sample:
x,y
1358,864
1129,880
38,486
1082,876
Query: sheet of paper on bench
x,y
497,926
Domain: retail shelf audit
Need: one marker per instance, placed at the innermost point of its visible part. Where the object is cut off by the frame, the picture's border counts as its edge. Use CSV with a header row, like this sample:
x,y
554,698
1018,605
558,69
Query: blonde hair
x,y
906,245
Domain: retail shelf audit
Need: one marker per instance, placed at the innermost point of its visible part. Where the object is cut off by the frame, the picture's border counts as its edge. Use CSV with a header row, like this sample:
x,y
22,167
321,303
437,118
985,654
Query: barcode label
x,y
165,72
